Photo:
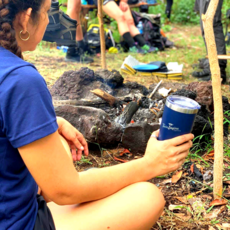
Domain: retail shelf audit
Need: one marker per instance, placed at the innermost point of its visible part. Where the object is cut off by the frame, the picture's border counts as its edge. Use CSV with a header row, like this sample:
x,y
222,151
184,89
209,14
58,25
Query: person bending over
x,y
120,11
34,151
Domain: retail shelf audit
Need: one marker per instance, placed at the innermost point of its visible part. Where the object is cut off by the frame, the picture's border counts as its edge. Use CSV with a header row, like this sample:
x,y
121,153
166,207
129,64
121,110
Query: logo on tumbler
x,y
170,127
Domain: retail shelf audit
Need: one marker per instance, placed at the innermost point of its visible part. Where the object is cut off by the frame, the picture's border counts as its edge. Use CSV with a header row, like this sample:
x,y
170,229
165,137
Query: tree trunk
x,y
217,96
102,34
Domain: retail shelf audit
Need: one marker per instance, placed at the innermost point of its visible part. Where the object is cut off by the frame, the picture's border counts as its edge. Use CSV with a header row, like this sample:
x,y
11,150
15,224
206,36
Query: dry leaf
x,y
124,152
166,181
197,205
176,177
218,202
118,159
211,228
212,214
208,197
183,216
182,199
192,168
211,153
176,207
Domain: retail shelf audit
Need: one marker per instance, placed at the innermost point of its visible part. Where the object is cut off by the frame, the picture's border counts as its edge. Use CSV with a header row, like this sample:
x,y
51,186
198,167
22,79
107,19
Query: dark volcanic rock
x,y
94,124
226,105
201,126
203,91
185,93
203,112
130,88
136,136
112,78
77,85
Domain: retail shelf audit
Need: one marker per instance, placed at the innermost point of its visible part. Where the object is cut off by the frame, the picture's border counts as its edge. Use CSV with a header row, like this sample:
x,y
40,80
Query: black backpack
x,y
93,38
151,29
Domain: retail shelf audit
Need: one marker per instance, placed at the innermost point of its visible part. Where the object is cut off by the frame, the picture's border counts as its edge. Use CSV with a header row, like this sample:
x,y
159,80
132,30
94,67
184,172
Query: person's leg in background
x,y
205,74
74,10
113,11
126,26
136,34
168,8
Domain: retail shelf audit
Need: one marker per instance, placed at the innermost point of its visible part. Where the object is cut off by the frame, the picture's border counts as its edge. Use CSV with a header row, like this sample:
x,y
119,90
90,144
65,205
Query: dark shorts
x,y
106,1
44,220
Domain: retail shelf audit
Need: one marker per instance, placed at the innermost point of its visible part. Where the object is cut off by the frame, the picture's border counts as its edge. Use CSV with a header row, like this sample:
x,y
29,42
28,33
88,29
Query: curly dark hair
x,y
8,11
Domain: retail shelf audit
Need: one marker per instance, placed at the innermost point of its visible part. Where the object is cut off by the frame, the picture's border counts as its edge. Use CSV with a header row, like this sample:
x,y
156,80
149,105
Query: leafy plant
x,y
84,161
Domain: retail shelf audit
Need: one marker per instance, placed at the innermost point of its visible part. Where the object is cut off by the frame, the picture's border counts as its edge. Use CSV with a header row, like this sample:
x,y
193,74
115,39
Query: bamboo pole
x,y
217,96
102,34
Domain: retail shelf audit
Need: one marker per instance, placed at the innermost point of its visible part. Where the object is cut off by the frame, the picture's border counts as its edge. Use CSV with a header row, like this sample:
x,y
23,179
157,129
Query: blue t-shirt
x,y
26,115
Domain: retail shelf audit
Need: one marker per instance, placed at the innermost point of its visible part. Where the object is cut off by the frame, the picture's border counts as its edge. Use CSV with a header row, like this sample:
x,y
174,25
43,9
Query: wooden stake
x,y
102,34
217,96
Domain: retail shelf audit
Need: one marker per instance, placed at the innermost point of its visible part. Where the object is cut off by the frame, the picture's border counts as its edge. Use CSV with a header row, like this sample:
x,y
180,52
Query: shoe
x,y
54,20
200,74
75,55
149,49
66,34
207,78
202,63
86,49
135,49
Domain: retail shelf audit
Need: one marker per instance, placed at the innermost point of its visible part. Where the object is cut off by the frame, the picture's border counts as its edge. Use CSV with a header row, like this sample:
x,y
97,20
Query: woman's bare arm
x,y
55,174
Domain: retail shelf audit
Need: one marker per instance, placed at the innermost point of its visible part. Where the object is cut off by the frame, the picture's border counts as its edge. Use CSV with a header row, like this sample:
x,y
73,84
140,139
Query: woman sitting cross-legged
x,y
120,11
34,151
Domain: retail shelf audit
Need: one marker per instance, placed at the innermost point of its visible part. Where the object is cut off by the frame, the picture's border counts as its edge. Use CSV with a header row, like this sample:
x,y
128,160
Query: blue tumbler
x,y
178,117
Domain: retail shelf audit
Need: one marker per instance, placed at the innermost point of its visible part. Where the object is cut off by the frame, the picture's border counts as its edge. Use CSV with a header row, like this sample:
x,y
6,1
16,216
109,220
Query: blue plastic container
x,y
178,117
140,27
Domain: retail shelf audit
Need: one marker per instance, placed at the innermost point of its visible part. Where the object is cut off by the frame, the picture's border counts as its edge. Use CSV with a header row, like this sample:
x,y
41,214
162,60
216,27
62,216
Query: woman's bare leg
x,y
74,10
136,207
130,22
113,11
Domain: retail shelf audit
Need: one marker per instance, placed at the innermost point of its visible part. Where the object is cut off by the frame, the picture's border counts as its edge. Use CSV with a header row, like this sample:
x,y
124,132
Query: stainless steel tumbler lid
x,y
182,104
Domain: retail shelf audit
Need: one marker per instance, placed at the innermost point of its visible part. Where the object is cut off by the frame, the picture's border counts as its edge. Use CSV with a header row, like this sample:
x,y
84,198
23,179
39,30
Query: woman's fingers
x,y
74,154
180,157
184,147
79,154
82,140
181,139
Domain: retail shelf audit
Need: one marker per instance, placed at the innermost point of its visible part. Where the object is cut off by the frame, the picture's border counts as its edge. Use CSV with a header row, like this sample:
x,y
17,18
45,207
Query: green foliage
x,y
182,12
84,160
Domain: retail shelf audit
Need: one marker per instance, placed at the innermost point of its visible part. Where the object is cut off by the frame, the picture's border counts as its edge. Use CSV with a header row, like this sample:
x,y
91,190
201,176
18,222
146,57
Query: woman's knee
x,y
120,18
130,21
151,196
